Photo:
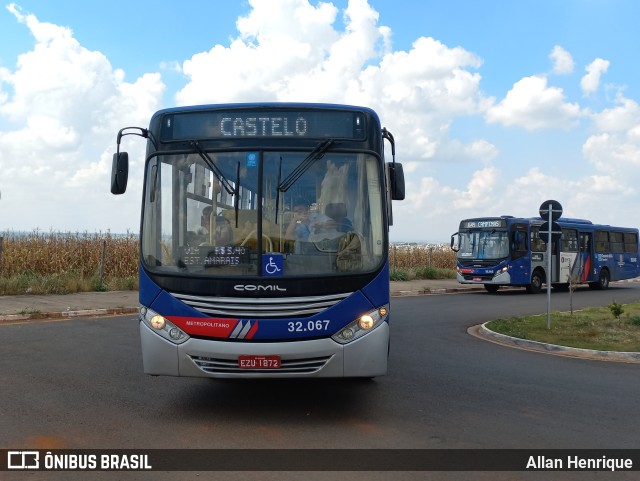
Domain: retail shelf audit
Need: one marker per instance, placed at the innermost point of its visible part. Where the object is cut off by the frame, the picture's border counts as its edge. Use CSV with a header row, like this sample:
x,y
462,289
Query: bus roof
x,y
266,121
266,106
563,221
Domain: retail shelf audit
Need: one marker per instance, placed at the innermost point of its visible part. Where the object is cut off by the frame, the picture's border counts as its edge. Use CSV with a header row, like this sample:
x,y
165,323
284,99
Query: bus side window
x,y
602,242
537,244
569,240
617,242
630,242
519,243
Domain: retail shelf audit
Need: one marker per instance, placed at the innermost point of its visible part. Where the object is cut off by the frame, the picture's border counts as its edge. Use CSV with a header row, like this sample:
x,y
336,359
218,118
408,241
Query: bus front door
x,y
585,260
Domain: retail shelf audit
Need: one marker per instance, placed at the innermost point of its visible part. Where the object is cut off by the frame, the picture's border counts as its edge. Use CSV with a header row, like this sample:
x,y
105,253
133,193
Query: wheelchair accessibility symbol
x,y
272,265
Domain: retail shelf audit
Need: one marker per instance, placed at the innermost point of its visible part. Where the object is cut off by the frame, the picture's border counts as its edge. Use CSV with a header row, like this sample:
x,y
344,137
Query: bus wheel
x,y
536,283
492,288
603,283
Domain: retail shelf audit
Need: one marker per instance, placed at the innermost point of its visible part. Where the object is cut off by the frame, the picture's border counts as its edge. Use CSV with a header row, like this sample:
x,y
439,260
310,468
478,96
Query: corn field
x,y
54,253
414,256
61,263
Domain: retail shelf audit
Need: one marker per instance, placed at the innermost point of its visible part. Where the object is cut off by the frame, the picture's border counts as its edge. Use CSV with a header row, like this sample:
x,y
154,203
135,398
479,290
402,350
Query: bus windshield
x,y
484,244
240,219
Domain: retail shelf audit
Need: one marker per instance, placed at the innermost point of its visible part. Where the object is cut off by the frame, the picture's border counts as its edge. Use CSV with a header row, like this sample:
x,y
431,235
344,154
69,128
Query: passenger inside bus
x,y
223,235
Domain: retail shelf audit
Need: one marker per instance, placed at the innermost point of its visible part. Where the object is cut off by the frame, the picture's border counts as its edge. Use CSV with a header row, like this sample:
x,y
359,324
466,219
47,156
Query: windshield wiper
x,y
316,154
214,168
278,190
231,190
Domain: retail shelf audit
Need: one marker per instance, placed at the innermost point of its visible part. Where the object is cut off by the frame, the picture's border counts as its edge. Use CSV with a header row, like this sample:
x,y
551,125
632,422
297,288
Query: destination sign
x,y
259,123
483,224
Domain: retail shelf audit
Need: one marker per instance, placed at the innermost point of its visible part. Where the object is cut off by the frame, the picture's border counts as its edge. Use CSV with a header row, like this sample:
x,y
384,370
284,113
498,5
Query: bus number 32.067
x,y
309,326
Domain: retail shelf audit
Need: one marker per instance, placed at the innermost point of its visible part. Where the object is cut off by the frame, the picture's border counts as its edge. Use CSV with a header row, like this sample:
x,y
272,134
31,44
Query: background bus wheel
x,y
536,283
492,288
603,283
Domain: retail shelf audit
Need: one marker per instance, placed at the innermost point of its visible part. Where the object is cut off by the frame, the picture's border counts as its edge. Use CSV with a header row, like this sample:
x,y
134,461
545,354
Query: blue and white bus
x,y
508,251
264,240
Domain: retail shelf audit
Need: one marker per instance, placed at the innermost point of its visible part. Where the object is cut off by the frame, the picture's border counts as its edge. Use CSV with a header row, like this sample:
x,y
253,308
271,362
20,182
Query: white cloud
x,y
421,90
479,150
63,107
562,60
172,66
591,81
623,117
615,152
532,104
590,196
432,199
255,66
615,147
480,189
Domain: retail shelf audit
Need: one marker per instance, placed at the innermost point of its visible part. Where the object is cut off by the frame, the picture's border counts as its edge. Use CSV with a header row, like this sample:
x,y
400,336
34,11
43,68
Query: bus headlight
x,y
163,326
158,322
361,326
366,322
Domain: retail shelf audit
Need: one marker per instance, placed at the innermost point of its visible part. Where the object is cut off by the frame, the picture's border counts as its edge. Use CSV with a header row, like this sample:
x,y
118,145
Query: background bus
x,y
264,240
508,251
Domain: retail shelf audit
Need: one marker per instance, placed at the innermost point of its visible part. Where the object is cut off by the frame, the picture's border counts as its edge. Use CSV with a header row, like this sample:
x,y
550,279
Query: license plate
x,y
477,279
259,362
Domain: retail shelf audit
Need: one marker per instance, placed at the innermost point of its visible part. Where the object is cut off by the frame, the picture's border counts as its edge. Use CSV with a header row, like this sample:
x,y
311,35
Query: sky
x,y
495,106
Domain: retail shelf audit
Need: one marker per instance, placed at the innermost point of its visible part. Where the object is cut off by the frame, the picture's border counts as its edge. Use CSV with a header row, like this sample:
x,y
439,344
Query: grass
x,y
595,328
422,273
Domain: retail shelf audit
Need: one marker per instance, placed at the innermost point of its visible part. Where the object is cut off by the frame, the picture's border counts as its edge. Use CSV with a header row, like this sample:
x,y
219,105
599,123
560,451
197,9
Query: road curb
x,y
427,291
10,318
482,332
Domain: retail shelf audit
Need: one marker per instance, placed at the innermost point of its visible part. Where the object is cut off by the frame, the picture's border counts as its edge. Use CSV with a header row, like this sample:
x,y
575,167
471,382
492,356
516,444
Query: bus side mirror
x,y
396,177
119,173
454,247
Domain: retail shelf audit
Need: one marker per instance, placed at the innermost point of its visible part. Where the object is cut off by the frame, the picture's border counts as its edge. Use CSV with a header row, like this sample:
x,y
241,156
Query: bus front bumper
x,y
364,357
500,279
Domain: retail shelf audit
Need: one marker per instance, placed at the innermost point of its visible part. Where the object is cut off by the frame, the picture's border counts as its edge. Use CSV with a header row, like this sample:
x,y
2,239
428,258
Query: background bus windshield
x,y
484,244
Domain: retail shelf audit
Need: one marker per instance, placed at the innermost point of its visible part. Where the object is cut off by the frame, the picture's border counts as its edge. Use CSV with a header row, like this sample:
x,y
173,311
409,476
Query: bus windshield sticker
x,y
272,265
251,159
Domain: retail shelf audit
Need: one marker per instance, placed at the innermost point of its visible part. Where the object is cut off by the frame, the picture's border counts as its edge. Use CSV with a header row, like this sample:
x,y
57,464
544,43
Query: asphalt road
x,y
79,384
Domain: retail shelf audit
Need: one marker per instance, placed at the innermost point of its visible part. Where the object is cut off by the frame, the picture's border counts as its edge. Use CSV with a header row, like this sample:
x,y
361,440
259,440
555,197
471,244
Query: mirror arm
x,y
139,131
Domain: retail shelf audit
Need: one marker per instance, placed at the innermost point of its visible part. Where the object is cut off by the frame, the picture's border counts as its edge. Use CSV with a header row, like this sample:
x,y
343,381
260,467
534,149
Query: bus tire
x,y
491,288
536,283
603,283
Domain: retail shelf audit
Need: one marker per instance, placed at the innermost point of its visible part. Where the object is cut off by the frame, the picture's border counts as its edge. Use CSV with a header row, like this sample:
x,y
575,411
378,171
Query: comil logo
x,y
23,460
254,287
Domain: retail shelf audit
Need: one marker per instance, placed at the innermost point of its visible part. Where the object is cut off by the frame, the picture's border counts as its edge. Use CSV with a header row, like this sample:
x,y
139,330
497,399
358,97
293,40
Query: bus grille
x,y
290,366
260,307
479,262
